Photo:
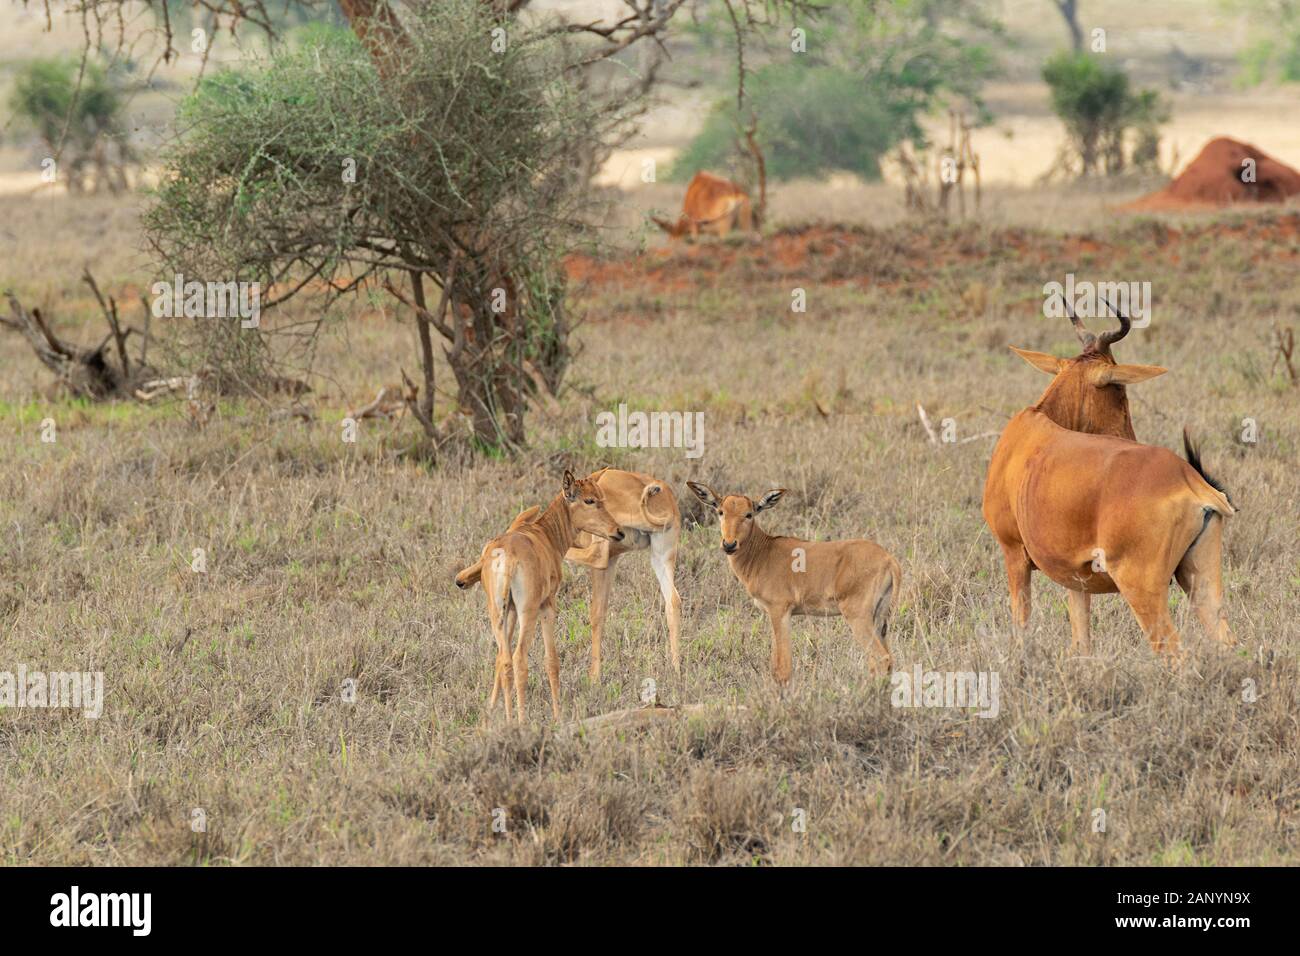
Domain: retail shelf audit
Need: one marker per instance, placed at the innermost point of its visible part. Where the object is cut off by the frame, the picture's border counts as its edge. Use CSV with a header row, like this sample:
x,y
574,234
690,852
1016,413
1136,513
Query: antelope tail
x,y
1193,454
468,577
648,494
885,603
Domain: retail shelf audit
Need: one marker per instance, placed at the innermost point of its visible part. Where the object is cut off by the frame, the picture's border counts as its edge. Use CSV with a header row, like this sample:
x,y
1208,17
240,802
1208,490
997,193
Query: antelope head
x,y
1087,392
586,503
675,229
735,512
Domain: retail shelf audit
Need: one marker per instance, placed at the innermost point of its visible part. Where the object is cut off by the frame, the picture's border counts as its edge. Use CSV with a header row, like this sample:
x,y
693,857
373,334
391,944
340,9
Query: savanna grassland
x,y
328,561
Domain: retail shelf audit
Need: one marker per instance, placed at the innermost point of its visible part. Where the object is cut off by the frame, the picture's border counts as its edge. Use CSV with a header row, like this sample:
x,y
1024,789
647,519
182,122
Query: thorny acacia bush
x,y
323,163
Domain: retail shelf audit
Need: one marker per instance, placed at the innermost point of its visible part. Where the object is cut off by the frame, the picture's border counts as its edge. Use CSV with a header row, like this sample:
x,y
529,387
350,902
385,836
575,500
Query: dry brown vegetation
x,y
328,561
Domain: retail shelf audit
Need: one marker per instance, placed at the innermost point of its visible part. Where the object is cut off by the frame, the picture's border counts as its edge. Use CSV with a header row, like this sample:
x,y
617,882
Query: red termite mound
x,y
1215,178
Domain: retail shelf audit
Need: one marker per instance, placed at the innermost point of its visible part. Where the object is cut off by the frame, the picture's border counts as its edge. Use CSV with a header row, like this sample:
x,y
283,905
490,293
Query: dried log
x,y
84,372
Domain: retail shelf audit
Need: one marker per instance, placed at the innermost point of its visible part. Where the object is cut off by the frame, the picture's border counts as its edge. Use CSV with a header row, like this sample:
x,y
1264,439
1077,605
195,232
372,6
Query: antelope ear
x,y
769,499
1040,360
1126,374
704,493
570,486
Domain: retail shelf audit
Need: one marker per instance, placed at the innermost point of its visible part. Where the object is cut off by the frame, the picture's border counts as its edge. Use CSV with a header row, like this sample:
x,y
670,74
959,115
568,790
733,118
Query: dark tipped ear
x,y
570,486
769,499
704,493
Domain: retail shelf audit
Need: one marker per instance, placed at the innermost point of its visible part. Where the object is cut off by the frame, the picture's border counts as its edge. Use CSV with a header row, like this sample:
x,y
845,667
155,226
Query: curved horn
x,y
1107,339
1086,337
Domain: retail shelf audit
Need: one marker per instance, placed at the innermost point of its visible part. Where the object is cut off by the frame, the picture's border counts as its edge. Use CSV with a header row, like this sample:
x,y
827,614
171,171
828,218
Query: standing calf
x,y
646,510
521,572
856,579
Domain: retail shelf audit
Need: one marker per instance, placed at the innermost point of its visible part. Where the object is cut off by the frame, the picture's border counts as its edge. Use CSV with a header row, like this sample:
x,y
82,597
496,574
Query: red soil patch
x,y
1214,178
904,257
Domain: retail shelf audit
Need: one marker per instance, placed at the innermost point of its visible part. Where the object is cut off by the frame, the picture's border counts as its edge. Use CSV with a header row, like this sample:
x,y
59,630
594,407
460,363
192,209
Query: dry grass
x,y
329,561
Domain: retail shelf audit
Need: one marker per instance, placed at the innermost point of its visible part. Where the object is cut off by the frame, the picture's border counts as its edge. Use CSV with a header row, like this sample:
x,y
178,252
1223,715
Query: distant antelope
x,y
646,509
1070,492
855,579
521,572
712,205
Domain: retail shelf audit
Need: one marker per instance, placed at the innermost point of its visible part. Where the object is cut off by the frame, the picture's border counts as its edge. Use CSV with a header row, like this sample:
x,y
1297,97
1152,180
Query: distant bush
x,y
1099,108
811,120
1273,52
870,76
47,100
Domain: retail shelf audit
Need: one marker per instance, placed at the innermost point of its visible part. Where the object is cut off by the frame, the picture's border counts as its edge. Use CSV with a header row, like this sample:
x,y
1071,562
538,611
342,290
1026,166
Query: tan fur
x,y
1071,493
521,572
856,579
468,577
712,205
646,509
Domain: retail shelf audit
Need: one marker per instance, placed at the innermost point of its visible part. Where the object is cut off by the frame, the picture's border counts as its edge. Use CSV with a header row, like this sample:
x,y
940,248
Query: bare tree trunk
x,y
1069,10
424,411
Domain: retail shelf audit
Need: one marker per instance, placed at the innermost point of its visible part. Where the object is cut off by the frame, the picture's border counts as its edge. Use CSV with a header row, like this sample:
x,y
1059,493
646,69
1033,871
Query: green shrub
x,y
811,120
1098,107
46,99
869,75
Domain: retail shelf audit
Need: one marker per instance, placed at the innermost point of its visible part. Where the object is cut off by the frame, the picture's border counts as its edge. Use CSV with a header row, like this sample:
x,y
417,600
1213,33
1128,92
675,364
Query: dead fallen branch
x,y
386,404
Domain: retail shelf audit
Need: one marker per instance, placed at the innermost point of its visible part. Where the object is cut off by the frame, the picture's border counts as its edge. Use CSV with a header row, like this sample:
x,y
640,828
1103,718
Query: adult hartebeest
x,y
712,205
521,572
855,579
1070,492
646,509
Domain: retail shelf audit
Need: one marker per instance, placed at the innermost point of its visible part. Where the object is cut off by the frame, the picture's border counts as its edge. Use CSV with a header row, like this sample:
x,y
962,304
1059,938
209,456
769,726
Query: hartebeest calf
x,y
711,205
646,509
855,579
1070,492
521,572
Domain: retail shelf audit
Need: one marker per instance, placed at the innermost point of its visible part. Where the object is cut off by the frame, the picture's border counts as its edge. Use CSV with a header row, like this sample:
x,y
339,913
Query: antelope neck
x,y
1064,402
752,552
555,524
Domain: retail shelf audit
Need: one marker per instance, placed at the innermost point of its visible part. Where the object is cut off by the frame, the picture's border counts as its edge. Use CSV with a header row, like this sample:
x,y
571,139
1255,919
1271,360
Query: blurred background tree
x,y
1099,109
78,115
867,78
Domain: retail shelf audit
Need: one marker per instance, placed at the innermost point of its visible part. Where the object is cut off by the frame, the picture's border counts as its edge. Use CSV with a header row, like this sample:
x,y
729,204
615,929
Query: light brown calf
x,y
711,205
855,579
521,572
1072,494
646,509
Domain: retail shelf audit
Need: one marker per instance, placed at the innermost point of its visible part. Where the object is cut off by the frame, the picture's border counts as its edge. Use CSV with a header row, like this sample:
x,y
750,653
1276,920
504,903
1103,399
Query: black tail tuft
x,y
1194,459
880,615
